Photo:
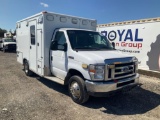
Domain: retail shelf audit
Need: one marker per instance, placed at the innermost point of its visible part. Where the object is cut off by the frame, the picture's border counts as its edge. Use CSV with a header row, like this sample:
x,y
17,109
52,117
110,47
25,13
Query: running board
x,y
55,79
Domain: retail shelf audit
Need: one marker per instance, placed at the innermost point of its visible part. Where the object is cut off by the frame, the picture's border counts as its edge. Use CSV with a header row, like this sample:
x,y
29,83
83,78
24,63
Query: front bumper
x,y
109,86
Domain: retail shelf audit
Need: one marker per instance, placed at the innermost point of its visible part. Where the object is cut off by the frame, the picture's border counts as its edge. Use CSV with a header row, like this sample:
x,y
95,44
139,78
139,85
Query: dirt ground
x,y
35,98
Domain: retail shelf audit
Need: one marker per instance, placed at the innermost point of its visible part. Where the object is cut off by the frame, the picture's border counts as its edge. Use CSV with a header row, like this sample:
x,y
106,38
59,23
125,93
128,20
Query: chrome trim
x,y
106,72
118,73
125,76
117,67
123,63
112,73
124,66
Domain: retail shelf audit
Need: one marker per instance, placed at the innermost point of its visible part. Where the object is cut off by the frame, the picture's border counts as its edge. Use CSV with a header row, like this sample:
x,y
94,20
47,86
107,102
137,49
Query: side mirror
x,y
62,47
113,44
56,46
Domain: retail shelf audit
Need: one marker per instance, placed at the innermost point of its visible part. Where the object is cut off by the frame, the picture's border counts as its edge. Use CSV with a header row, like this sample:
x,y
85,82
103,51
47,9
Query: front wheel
x,y
27,71
77,90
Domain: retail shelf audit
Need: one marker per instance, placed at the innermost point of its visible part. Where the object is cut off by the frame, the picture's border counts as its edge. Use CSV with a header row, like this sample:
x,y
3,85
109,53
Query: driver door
x,y
59,63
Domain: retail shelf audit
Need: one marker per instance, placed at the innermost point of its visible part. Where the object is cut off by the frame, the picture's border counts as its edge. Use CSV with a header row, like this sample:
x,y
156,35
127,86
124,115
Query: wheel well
x,y
70,73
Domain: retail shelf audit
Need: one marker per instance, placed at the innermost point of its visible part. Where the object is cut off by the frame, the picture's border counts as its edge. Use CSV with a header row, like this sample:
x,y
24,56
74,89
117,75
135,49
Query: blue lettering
x,y
120,34
129,35
136,36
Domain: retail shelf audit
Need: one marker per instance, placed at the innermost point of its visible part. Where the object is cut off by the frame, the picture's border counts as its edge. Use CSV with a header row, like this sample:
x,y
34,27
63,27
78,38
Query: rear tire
x,y
77,90
27,71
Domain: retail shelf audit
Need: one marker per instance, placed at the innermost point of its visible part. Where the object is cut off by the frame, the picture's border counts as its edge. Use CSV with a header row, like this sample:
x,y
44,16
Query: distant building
x,y
8,34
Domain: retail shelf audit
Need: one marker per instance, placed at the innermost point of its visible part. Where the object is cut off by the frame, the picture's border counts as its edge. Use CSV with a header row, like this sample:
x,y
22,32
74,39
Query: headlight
x,y
96,72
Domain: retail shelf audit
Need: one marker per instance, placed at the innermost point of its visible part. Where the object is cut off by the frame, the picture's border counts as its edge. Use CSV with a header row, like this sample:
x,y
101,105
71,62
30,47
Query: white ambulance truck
x,y
140,38
68,50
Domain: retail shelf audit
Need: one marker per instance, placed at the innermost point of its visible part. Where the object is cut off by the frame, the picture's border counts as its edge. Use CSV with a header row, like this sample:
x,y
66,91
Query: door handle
x,y
70,57
30,47
51,58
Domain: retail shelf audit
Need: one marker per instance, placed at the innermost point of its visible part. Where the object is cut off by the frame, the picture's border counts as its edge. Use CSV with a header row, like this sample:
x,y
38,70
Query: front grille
x,y
125,69
125,83
12,46
120,70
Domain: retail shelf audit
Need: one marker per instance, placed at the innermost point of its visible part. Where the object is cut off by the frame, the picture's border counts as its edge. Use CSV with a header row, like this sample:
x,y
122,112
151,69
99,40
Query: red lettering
x,y
130,44
117,44
136,45
139,45
123,44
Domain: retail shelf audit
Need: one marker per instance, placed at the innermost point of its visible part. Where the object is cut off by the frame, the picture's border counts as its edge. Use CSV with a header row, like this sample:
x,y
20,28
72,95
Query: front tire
x,y
27,71
77,90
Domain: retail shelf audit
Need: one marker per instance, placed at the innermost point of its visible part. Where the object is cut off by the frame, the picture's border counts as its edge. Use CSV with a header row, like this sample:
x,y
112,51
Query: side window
x,y
32,34
59,41
60,38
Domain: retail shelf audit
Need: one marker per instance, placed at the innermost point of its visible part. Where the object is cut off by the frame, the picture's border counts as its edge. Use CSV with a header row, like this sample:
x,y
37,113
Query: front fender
x,y
78,66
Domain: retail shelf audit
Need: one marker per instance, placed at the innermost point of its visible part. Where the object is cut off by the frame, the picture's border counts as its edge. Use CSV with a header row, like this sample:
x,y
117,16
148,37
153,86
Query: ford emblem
x,y
125,69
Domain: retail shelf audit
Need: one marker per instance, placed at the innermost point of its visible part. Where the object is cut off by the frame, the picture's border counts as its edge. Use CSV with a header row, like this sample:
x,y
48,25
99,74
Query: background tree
x,y
2,31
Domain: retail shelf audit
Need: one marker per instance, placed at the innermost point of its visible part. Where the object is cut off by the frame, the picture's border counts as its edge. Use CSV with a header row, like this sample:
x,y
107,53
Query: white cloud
x,y
44,4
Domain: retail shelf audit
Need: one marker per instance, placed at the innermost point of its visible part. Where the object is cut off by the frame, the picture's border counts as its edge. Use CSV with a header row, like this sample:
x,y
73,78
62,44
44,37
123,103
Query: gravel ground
x,y
35,98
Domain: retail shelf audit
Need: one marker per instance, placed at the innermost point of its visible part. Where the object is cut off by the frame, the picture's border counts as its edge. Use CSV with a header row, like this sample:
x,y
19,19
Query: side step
x,y
55,79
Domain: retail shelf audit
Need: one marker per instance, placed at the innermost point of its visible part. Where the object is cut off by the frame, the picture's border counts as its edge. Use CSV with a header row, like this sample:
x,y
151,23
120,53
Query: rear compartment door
x,y
39,51
32,49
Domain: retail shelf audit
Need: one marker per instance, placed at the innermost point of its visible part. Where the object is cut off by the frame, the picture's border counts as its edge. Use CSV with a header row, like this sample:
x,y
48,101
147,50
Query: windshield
x,y
9,40
88,40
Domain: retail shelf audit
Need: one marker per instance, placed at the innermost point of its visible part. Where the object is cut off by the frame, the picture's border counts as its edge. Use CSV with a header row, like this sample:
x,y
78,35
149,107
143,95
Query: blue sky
x,y
105,11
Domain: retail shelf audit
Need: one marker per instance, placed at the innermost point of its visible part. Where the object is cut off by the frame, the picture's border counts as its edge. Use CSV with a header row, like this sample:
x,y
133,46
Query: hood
x,y
93,57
